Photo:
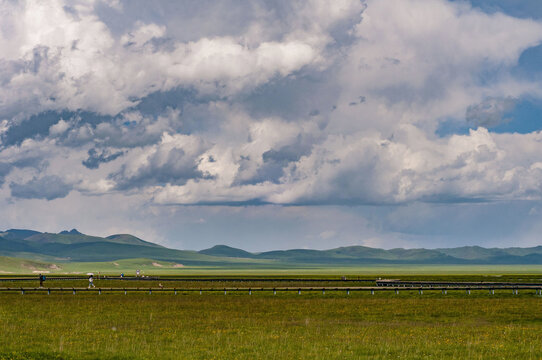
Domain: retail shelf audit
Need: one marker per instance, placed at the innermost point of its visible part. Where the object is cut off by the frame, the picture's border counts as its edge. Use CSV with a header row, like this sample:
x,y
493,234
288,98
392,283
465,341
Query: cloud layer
x,y
286,103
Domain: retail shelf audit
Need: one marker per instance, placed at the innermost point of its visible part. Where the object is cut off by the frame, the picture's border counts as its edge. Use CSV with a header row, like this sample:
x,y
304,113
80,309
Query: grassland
x,y
263,326
311,326
148,266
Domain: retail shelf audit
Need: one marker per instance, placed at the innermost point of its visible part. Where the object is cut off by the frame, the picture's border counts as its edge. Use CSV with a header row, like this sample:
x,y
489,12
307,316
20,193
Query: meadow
x,y
263,326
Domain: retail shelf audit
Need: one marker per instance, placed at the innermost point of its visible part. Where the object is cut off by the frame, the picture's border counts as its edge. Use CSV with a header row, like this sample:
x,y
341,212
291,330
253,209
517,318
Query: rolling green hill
x,y
227,251
362,255
73,246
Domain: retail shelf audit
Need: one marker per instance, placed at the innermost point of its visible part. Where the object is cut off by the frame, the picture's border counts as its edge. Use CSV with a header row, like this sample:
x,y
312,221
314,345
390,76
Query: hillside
x,y
362,255
227,251
74,246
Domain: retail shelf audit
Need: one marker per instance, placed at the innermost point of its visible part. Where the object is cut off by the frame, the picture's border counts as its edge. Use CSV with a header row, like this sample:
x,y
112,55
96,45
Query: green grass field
x,y
263,326
311,326
10,266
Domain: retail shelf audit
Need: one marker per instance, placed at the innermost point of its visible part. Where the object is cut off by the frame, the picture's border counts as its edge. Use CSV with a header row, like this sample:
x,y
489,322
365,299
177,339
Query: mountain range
x,y
73,246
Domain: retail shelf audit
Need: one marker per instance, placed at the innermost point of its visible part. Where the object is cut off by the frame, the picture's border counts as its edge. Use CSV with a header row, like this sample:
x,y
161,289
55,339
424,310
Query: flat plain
x,y
266,326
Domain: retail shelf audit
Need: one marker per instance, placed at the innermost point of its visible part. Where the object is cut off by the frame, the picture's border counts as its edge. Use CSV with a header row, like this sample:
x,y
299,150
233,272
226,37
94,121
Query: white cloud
x,y
60,127
66,57
142,34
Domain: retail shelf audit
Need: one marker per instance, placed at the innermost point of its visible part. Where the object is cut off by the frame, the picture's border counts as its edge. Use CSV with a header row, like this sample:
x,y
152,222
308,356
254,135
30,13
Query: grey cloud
x,y
47,187
275,161
119,131
157,102
177,169
38,126
490,112
5,168
31,161
173,161
293,98
95,158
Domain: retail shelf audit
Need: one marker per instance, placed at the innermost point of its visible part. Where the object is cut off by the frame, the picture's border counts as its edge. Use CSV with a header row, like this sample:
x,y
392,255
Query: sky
x,y
274,124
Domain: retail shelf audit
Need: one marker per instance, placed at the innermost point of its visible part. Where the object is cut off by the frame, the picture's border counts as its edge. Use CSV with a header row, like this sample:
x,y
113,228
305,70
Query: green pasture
x,y
312,325
263,326
14,266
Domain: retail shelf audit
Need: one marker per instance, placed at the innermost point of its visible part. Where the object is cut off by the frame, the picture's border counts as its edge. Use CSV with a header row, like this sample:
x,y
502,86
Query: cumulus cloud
x,y
57,56
295,103
60,127
374,170
174,160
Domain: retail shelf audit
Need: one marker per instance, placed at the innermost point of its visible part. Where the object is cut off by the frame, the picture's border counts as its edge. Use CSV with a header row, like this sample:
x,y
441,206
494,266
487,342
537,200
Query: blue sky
x,y
274,125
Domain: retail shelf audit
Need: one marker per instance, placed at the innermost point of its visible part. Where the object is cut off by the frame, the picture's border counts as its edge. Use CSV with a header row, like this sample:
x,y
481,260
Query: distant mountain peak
x,y
71,232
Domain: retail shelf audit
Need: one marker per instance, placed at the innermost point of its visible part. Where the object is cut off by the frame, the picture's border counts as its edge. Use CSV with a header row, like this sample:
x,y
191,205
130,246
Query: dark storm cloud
x,y
47,187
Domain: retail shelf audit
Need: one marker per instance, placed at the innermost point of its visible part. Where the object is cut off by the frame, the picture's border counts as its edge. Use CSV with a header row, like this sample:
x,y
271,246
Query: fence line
x,y
403,283
299,290
184,279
